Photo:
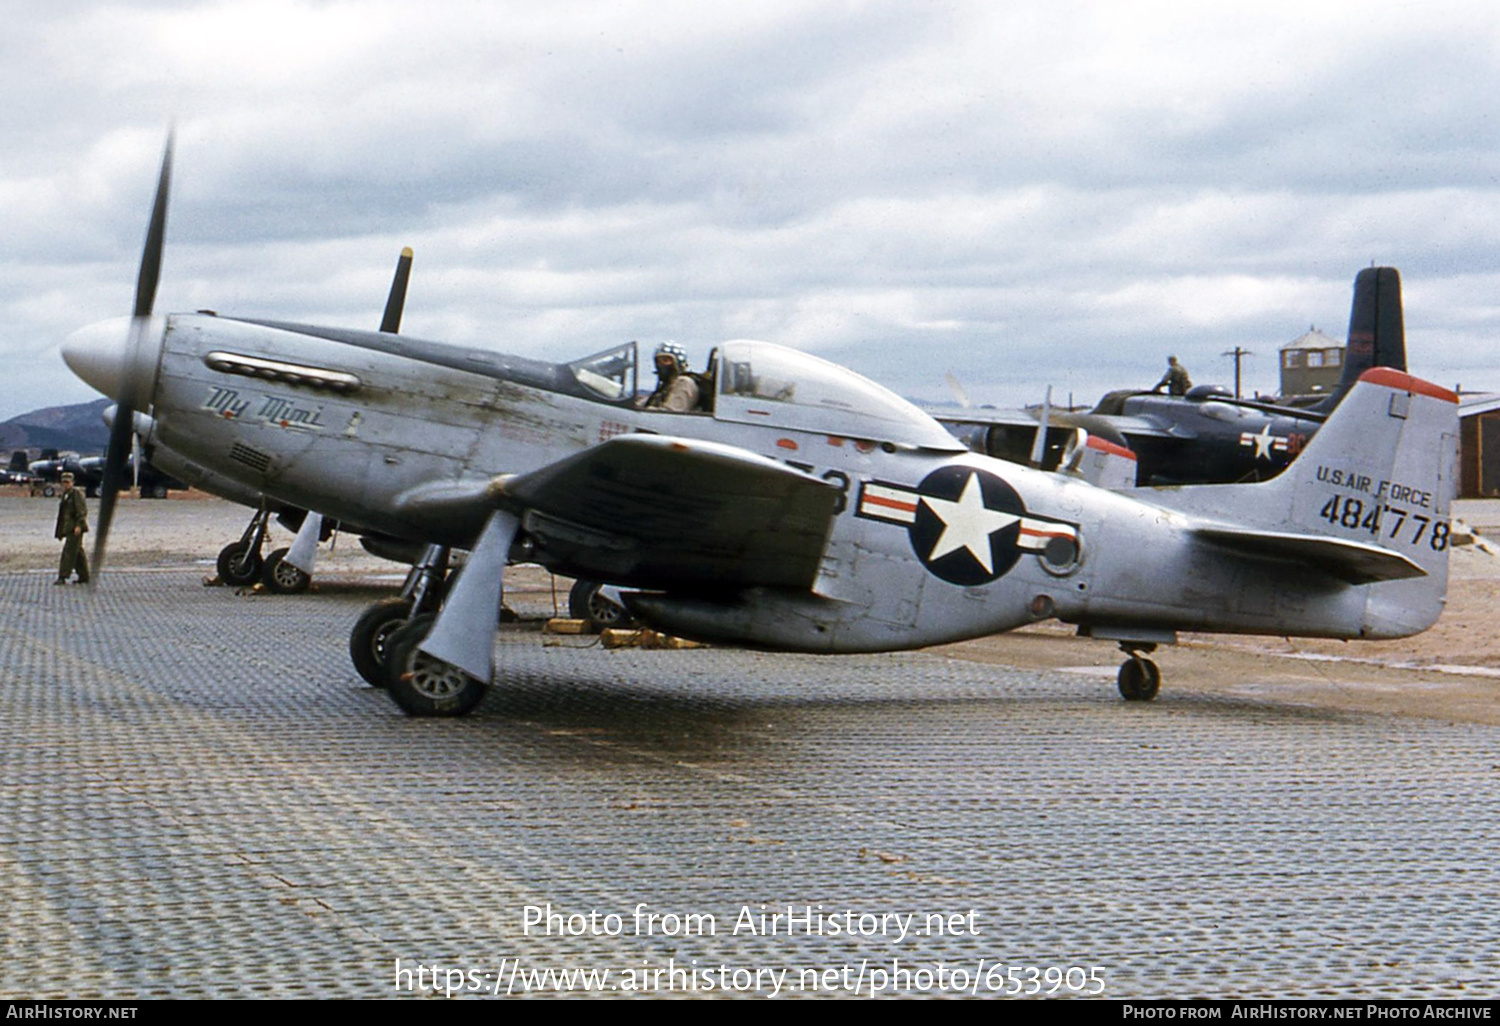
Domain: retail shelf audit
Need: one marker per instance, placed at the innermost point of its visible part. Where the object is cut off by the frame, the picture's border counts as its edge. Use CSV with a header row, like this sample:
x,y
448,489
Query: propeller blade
x,y
1039,443
957,389
395,303
109,488
150,274
132,386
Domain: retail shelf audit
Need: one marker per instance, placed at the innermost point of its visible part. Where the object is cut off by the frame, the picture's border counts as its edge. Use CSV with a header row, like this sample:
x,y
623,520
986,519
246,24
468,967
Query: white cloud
x,y
1026,193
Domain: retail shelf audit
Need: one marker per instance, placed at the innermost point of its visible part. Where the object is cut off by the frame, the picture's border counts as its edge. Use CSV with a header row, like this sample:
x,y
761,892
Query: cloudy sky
x,y
1014,193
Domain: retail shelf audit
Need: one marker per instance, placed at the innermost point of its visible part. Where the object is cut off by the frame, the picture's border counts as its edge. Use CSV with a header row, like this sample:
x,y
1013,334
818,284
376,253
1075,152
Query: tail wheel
x,y
423,685
1139,680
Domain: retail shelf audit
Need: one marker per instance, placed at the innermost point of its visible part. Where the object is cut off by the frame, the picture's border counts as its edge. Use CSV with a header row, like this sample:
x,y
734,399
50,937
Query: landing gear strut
x,y
369,641
1140,678
442,665
240,562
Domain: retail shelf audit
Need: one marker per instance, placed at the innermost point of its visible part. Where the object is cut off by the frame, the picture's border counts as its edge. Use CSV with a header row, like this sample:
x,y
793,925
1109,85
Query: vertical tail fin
x,y
1368,501
1390,463
1377,331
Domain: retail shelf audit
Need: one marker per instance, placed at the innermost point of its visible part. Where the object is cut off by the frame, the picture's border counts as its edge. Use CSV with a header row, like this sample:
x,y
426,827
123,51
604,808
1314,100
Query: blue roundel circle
x,y
967,525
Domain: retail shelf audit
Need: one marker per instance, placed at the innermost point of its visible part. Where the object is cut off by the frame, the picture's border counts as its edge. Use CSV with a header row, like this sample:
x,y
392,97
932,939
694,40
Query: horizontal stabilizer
x,y
1350,561
655,511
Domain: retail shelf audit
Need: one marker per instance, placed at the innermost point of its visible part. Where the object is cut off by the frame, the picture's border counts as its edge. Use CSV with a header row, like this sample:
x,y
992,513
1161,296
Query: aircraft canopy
x,y
765,383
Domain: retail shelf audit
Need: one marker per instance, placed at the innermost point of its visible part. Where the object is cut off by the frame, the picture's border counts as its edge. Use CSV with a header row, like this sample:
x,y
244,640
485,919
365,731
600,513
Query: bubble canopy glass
x,y
765,383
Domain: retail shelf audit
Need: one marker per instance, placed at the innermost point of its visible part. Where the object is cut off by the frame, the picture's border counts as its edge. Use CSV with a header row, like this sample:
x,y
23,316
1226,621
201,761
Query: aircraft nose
x,y
98,353
116,356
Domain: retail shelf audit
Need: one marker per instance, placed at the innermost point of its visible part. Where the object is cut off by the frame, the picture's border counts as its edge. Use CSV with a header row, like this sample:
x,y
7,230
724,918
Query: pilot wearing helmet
x,y
677,390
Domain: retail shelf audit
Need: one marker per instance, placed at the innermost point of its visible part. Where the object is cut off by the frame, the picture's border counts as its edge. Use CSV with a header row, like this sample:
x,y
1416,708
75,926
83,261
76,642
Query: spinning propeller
x,y
125,368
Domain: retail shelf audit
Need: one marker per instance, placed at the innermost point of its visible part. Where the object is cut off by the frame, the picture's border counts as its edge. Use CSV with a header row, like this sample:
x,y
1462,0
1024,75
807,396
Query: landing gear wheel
x,y
238,566
601,613
423,685
370,639
1140,679
283,578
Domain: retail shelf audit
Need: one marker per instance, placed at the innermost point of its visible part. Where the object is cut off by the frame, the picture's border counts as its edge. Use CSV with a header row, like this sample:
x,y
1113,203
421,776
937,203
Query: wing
x,y
1132,425
654,511
1354,562
984,417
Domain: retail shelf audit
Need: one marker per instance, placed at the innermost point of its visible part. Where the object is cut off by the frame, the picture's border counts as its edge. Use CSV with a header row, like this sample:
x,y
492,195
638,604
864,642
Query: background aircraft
x,y
88,474
1208,435
805,508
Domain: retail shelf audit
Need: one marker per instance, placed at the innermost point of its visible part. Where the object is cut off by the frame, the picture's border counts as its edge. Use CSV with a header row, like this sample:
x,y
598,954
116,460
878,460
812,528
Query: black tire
x,y
600,613
370,639
234,568
1139,680
422,685
283,578
49,491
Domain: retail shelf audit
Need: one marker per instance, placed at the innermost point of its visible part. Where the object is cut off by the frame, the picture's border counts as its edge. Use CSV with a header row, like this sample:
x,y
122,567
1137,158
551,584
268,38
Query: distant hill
x,y
79,428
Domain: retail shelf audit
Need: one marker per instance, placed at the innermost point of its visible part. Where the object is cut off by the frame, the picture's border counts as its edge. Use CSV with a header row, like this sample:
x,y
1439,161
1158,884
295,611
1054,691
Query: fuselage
x,y
930,543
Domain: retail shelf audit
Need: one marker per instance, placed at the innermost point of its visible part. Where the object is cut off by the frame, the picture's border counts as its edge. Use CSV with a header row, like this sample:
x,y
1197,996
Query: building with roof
x,y
1311,364
1479,446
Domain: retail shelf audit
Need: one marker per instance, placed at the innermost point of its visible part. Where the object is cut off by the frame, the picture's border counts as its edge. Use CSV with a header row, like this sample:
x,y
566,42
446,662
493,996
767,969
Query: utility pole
x,y
1239,354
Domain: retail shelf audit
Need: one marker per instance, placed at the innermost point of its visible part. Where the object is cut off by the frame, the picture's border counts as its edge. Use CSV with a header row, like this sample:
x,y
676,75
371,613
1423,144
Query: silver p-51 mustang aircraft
x,y
798,507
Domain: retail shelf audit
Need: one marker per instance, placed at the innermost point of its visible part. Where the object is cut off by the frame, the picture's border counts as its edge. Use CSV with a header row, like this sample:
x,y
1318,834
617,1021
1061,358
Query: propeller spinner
x,y
119,358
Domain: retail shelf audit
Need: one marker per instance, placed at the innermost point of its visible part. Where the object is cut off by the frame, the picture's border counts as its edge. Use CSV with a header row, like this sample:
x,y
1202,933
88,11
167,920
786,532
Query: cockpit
x,y
763,383
609,375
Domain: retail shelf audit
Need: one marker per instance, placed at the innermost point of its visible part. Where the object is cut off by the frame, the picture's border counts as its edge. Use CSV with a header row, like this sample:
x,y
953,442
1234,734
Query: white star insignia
x,y
968,524
1262,442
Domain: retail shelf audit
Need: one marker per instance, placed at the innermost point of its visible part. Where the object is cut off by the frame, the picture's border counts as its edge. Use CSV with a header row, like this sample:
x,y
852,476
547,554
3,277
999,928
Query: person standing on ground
x,y
72,525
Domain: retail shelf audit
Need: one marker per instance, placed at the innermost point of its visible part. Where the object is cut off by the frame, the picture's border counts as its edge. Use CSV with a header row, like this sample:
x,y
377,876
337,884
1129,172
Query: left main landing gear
x,y
423,685
1140,678
441,664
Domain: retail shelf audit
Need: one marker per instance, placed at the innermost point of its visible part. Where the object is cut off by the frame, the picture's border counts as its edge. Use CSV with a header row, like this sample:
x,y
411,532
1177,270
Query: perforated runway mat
x,y
199,797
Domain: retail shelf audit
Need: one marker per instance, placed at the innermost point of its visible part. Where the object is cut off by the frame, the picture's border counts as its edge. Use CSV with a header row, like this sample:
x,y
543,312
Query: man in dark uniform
x,y
1175,380
72,525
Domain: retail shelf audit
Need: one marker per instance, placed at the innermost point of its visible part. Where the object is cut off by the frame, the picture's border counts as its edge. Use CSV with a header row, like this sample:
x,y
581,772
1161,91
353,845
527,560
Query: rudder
x,y
1382,471
1377,331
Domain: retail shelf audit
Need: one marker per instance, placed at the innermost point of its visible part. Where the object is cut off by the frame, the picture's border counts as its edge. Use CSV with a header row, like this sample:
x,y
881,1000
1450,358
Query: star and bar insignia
x,y
967,526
